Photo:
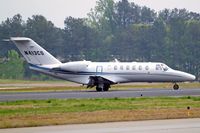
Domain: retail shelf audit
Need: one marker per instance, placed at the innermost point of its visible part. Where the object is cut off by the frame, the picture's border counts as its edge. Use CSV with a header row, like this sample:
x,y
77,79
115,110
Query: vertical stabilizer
x,y
33,53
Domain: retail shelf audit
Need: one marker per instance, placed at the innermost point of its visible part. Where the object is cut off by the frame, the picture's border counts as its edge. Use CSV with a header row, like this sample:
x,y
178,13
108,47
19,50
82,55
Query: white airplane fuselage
x,y
117,72
99,74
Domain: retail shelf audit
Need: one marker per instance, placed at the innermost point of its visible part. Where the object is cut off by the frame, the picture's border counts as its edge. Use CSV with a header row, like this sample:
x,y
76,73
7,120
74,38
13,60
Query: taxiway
x,y
94,94
151,126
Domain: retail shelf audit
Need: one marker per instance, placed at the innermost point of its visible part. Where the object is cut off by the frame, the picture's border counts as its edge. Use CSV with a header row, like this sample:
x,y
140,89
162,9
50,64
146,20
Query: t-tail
x,y
33,53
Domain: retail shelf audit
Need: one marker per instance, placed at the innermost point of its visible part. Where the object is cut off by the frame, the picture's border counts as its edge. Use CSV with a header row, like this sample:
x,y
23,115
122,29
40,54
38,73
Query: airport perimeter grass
x,y
70,111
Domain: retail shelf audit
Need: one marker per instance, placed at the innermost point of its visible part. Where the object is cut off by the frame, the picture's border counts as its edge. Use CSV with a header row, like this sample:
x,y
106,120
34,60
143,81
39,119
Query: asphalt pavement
x,y
93,94
151,126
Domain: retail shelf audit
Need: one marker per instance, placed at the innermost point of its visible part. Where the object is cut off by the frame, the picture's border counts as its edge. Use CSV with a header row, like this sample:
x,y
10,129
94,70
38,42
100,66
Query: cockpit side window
x,y
165,67
162,67
158,67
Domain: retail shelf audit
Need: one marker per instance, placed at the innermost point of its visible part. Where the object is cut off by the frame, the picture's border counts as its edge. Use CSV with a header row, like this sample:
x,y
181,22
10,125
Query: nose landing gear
x,y
176,86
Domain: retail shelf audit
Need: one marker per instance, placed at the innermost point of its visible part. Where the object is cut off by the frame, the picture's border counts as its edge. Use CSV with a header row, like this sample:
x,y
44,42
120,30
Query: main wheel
x,y
99,89
176,86
106,87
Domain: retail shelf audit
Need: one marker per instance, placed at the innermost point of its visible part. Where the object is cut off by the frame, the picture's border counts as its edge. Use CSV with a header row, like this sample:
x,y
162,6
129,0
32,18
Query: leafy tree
x,y
147,15
102,16
44,33
127,14
11,27
80,39
114,29
13,68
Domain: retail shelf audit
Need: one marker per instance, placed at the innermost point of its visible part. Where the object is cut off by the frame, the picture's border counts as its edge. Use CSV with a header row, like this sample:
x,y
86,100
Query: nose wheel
x,y
176,86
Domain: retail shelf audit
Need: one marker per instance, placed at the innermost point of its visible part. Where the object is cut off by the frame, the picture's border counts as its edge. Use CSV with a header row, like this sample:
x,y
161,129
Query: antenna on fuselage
x,y
116,60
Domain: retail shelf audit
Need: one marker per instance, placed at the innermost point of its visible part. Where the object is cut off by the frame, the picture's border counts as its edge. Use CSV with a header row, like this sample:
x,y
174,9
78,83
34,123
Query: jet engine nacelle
x,y
75,66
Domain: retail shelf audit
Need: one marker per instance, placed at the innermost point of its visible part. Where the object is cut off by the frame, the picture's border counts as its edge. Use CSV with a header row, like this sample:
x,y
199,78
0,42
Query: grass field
x,y
71,111
59,111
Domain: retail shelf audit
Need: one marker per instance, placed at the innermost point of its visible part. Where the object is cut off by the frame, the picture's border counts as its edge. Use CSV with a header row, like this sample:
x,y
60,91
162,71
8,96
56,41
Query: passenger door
x,y
99,70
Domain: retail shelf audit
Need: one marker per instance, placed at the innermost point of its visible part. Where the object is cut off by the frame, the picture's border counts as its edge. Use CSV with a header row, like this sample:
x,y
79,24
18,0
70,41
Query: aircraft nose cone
x,y
186,76
190,77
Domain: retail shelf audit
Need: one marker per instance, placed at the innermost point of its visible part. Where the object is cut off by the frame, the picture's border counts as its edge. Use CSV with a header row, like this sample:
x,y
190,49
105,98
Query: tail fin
x,y
32,52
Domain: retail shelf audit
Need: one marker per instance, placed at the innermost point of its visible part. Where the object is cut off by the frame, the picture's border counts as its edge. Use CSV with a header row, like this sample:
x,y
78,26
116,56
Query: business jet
x,y
99,74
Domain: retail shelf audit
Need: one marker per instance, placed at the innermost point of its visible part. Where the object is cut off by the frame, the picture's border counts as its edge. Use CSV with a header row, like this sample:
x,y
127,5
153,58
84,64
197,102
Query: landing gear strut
x,y
176,86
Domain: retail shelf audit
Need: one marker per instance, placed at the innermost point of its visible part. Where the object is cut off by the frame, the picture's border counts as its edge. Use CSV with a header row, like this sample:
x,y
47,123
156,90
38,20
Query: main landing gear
x,y
100,83
102,87
176,86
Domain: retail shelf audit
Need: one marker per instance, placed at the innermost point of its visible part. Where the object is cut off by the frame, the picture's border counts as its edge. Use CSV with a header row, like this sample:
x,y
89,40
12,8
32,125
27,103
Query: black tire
x,y
99,89
105,88
176,86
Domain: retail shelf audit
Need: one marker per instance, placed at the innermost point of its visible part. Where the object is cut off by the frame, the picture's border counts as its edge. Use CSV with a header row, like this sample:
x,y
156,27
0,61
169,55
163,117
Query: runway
x,y
94,94
151,126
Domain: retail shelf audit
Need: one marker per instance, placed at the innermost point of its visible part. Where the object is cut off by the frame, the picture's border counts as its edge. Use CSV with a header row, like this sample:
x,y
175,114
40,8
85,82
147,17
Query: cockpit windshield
x,y
162,67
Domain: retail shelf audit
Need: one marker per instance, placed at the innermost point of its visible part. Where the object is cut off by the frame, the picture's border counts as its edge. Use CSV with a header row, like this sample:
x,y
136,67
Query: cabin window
x,y
121,67
115,67
158,67
147,68
140,67
133,67
127,67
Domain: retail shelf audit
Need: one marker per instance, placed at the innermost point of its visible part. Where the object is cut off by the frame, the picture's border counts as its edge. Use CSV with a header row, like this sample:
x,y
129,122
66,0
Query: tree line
x,y
122,30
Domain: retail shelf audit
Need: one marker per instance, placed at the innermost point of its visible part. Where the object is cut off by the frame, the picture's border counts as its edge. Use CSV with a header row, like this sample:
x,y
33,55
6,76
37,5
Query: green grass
x,y
62,111
87,105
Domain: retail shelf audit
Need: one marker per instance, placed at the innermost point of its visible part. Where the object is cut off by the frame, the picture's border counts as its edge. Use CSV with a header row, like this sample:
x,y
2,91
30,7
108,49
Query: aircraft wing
x,y
95,80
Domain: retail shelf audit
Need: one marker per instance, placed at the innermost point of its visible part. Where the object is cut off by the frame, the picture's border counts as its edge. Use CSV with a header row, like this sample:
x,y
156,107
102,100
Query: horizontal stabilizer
x,y
17,39
6,40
